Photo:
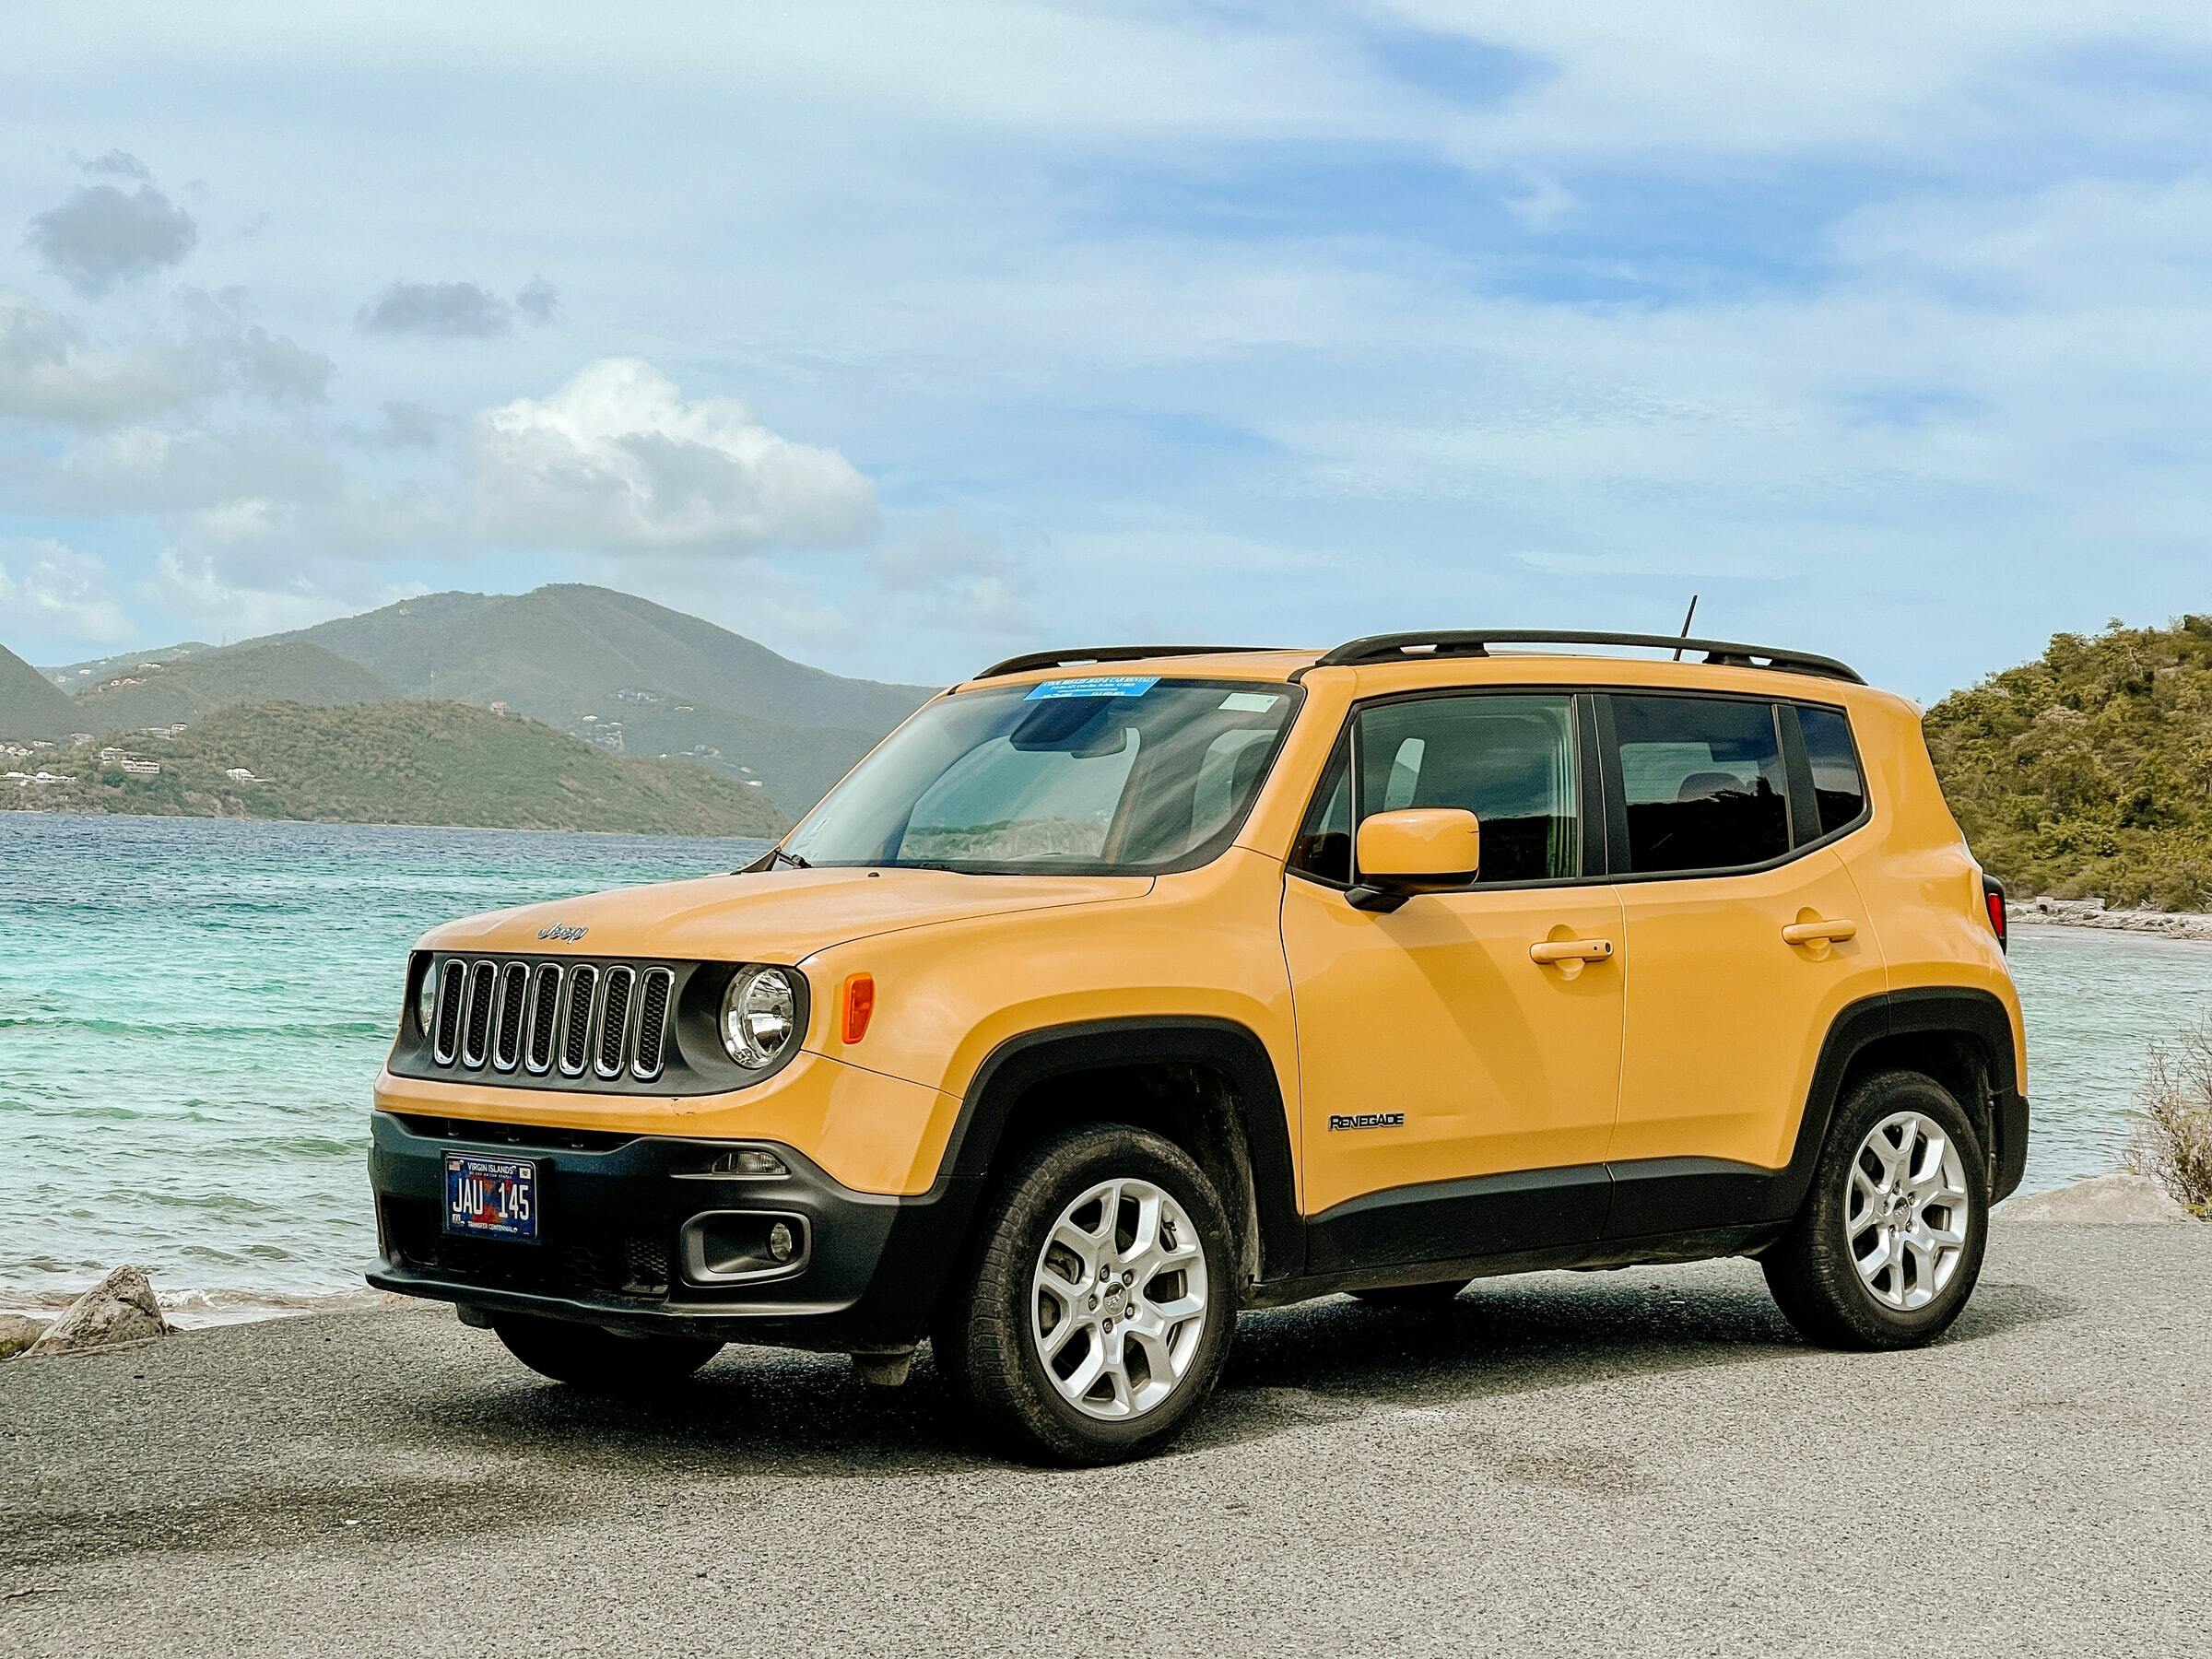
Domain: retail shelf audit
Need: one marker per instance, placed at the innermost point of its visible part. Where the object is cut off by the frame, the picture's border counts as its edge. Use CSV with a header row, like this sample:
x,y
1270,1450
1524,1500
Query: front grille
x,y
614,1019
654,991
608,1023
475,1027
445,1045
540,1029
576,1033
628,1265
507,1023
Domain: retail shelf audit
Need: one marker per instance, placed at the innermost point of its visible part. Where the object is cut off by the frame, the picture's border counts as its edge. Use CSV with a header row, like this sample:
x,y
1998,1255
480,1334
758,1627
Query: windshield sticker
x,y
1096,685
1250,702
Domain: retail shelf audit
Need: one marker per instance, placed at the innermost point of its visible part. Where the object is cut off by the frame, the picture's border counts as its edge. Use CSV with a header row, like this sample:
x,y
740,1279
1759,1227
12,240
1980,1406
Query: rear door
x,y
1745,937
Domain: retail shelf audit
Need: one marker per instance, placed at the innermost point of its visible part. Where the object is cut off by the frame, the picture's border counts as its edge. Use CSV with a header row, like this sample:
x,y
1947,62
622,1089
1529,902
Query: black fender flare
x,y
1950,1010
1224,1046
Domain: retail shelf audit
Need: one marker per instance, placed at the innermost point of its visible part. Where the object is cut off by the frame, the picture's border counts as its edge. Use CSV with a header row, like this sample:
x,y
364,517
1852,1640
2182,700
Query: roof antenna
x,y
1686,616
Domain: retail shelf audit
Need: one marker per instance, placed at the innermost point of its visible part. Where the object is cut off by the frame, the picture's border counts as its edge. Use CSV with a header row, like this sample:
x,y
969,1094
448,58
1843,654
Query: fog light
x,y
782,1243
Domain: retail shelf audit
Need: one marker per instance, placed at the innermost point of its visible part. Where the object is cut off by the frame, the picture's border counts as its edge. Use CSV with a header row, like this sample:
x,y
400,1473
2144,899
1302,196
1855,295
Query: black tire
x,y
598,1361
1439,1295
984,1342
1811,1269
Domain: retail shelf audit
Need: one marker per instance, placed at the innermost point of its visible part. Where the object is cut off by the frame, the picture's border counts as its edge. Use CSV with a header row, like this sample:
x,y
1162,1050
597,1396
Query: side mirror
x,y
1419,849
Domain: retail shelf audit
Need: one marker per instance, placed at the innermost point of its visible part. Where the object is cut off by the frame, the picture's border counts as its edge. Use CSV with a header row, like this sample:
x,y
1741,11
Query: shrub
x,y
2172,1143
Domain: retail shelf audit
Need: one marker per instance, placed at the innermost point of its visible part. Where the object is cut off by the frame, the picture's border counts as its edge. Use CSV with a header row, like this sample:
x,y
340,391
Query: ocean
x,y
191,1012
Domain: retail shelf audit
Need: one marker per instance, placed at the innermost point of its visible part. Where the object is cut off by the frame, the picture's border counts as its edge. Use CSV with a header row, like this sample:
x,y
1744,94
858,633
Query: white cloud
x,y
59,593
53,369
616,460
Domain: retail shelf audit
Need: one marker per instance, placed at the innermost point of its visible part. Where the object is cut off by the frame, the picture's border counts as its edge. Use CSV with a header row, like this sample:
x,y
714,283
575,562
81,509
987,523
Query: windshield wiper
x,y
792,859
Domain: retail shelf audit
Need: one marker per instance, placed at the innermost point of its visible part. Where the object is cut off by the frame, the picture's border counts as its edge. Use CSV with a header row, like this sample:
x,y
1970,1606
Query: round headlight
x,y
425,999
760,1015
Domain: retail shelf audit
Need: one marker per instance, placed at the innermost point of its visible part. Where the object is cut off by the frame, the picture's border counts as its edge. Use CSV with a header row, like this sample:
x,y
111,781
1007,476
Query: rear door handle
x,y
1820,933
1552,952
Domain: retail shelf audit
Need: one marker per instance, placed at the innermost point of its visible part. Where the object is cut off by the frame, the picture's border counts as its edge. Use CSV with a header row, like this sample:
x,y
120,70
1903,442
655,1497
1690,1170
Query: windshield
x,y
1113,775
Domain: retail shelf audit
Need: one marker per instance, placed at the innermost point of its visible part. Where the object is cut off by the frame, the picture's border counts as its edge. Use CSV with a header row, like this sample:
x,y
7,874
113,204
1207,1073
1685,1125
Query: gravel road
x,y
1644,1461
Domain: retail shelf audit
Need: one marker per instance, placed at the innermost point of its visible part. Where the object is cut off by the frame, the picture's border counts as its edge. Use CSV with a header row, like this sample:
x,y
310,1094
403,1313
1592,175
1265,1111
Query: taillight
x,y
1993,899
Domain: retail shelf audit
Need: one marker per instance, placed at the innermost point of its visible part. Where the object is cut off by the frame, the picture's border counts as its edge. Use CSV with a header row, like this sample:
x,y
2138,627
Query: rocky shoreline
x,y
2094,913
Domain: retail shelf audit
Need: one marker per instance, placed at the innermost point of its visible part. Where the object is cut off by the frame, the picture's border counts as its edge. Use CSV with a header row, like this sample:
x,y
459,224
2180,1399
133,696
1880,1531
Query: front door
x,y
1459,1057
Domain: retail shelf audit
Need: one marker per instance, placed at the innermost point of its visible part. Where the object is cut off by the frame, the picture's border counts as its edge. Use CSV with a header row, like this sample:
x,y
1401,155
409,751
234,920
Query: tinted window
x,y
1325,840
1509,761
1837,787
1703,783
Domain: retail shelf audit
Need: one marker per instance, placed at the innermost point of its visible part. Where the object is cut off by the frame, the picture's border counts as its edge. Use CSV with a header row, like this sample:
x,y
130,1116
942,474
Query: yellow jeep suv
x,y
1122,989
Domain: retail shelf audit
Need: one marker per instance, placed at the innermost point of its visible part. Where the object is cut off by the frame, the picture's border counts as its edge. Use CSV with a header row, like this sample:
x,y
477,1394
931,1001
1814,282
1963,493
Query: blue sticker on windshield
x,y
1096,685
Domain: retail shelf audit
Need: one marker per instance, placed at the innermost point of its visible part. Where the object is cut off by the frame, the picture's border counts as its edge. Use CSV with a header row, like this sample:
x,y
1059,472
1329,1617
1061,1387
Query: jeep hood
x,y
774,916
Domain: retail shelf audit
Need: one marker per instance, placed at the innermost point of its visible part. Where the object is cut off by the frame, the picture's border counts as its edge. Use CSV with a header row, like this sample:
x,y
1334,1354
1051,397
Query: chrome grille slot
x,y
541,1028
576,1028
476,1030
507,1016
654,989
445,1018
614,1023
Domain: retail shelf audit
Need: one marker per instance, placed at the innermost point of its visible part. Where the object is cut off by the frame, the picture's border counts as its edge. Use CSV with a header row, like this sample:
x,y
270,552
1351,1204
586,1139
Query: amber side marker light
x,y
859,1006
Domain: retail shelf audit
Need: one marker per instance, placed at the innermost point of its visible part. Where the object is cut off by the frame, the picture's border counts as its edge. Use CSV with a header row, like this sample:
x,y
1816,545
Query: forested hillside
x,y
193,687
402,764
2089,773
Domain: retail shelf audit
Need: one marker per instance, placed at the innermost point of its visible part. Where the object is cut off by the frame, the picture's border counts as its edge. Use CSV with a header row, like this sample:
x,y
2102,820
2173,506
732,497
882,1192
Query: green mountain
x,y
404,764
190,688
623,670
76,676
633,676
2088,774
29,706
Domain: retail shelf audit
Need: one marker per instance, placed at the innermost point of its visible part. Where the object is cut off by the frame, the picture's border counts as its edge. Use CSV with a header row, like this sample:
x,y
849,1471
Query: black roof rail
x,y
1108,653
1467,642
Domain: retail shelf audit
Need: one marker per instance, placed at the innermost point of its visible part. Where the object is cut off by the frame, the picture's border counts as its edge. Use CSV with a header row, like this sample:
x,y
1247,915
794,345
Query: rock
x,y
2109,1200
119,1311
17,1332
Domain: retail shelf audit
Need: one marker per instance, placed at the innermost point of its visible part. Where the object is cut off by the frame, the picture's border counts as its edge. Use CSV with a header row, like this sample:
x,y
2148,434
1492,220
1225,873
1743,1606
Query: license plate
x,y
491,1197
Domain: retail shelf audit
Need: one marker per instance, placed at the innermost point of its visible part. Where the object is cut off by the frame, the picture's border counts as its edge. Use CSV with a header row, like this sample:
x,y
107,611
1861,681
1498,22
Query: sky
x,y
902,338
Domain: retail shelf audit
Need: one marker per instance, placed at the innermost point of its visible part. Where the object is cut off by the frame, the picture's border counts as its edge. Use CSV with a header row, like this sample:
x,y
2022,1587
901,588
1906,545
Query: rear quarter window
x,y
1839,785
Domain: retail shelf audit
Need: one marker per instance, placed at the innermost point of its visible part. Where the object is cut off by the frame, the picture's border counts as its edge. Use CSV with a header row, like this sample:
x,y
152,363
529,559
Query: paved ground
x,y
1642,1461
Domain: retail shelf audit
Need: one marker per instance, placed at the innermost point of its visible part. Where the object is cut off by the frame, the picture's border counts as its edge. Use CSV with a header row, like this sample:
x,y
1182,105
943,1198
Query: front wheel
x,y
1098,1311
1888,1243
601,1362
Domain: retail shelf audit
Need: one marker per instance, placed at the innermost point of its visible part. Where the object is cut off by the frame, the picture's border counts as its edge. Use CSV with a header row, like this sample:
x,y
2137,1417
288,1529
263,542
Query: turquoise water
x,y
191,1012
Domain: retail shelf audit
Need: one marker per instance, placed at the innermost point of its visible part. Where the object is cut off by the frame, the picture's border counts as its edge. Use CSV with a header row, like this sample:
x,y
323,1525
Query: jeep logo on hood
x,y
563,932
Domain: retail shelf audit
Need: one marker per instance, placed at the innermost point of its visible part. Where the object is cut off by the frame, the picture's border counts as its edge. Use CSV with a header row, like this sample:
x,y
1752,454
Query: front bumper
x,y
614,1211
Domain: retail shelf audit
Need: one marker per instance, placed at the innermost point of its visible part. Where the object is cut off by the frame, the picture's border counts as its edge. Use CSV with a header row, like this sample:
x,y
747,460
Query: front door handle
x,y
1820,932
1550,953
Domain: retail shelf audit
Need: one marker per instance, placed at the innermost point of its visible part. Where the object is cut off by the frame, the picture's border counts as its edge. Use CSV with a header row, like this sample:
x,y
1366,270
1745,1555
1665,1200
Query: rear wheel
x,y
1414,1296
1098,1311
601,1362
1888,1243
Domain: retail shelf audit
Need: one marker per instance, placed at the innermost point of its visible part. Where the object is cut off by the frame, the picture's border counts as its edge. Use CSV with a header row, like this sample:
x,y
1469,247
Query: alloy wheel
x,y
1907,1214
1118,1299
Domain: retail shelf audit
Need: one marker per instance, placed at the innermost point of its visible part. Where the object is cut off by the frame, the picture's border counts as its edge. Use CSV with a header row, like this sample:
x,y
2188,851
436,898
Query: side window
x,y
1839,788
1325,840
1508,760
1703,782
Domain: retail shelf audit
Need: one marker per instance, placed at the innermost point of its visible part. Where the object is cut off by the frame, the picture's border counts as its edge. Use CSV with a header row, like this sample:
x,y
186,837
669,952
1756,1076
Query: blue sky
x,y
900,337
